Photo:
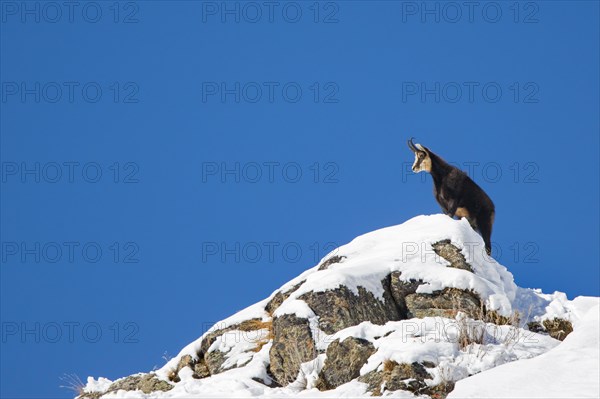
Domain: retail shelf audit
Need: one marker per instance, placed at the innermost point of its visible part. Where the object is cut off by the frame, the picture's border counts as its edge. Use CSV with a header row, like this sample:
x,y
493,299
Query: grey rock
x,y
558,328
333,260
344,361
144,382
397,376
452,254
399,290
292,345
279,297
341,308
212,362
130,383
536,327
151,384
428,364
184,361
374,380
201,369
439,391
444,303
90,395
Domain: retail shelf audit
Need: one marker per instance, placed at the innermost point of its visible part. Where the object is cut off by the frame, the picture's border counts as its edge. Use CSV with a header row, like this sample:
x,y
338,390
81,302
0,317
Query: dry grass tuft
x,y
389,365
263,325
493,317
470,332
73,383
256,324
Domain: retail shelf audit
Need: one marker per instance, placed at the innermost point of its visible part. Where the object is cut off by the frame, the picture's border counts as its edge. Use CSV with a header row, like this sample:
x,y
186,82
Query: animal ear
x,y
421,148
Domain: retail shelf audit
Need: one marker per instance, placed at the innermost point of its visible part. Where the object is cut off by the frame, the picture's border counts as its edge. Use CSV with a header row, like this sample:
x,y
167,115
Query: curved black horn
x,y
411,145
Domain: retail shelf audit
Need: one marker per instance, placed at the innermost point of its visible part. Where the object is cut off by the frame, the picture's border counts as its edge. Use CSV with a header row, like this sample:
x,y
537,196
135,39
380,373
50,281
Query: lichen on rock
x,y
445,303
452,254
344,361
292,345
557,328
341,308
279,297
144,382
396,376
333,260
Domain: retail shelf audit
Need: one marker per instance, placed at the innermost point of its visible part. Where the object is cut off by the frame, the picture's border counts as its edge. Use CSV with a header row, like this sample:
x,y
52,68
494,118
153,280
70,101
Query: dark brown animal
x,y
456,193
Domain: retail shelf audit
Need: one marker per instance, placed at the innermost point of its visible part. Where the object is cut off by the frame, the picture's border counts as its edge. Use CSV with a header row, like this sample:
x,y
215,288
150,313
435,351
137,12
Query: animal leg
x,y
473,223
462,212
451,208
485,228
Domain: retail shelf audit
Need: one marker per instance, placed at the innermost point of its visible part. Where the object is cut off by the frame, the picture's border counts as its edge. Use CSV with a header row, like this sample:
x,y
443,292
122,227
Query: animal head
x,y
422,158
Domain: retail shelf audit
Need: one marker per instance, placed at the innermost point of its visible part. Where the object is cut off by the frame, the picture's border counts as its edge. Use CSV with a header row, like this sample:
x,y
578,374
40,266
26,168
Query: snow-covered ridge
x,y
372,256
407,248
406,251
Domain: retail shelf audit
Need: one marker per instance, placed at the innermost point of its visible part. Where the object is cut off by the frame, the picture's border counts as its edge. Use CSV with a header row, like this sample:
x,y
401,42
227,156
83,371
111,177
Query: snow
x,y
256,311
238,346
570,370
407,248
511,361
295,307
434,339
99,385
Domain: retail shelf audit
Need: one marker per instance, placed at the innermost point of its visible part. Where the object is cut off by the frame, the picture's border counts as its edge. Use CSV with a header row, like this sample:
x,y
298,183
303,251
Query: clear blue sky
x,y
124,231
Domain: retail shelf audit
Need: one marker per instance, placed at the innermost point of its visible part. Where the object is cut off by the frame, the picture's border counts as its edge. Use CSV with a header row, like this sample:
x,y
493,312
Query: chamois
x,y
456,193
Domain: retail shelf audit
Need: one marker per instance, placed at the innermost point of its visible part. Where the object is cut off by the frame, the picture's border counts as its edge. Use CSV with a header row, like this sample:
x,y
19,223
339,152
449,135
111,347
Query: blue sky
x,y
164,166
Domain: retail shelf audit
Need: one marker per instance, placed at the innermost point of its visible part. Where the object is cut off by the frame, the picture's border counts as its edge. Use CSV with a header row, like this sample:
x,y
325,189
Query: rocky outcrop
x,y
445,303
214,360
399,290
408,377
292,342
395,376
279,297
344,361
336,309
333,260
144,382
452,254
292,345
341,308
210,362
198,366
556,328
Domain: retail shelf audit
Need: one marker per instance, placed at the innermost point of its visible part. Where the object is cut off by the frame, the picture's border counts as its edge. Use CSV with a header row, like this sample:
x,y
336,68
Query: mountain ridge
x,y
407,309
